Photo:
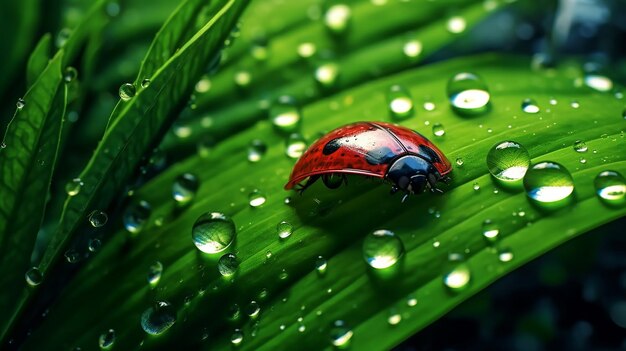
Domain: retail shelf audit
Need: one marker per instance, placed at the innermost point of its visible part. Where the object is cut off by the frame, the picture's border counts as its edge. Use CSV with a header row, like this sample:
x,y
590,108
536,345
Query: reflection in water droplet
x,y
285,115
107,339
508,161
33,276
296,145
98,218
611,187
382,249
548,182
213,232
127,91
159,318
580,146
184,188
468,94
337,18
256,198
284,229
530,106
72,188
136,216
154,273
340,334
490,231
598,82
228,264
256,150
438,129
400,103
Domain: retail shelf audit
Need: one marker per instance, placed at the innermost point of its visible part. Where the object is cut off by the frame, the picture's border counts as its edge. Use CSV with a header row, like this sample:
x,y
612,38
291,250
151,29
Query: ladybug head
x,y
413,175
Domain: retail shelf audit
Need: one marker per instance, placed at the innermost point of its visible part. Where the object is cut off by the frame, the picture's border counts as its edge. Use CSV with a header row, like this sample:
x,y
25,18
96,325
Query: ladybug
x,y
405,158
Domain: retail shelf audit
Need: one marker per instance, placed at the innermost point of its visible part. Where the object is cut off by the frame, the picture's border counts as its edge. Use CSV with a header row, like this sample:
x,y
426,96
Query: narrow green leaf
x,y
38,60
27,161
90,22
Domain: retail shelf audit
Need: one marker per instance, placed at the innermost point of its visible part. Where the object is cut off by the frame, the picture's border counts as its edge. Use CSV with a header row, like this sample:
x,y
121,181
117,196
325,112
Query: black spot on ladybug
x,y
379,155
332,146
429,154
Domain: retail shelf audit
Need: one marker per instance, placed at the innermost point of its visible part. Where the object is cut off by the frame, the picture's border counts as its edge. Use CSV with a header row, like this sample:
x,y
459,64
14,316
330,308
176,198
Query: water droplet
x,y
243,78
337,18
611,187
256,150
476,186
106,339
490,231
382,249
284,229
438,129
548,182
227,264
285,115
33,276
411,301
468,94
340,334
159,318
256,198
296,145
459,161
145,83
233,312
136,216
184,188
505,254
574,104
154,273
326,74
213,232
203,85
429,106
582,160
508,161
412,48
127,91
530,106
237,337
98,218
94,244
598,82
400,103
72,188
394,317
71,256
580,146
253,309
70,74
62,37
457,278
320,265
20,103
306,50
258,49
456,24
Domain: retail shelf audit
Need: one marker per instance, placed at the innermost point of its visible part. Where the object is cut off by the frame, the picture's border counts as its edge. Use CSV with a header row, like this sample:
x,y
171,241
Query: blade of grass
x,y
38,60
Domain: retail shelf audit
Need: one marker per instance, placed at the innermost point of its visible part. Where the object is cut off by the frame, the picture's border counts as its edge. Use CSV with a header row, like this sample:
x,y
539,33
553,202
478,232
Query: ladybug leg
x,y
432,184
300,188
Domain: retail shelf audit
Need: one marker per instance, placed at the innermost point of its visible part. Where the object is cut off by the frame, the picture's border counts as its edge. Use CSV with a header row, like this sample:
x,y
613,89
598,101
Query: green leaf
x,y
38,60
280,274
27,162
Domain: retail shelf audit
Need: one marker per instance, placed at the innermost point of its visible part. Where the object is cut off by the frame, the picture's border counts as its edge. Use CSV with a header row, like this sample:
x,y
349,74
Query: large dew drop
x,y
184,188
468,94
382,249
136,216
548,183
127,91
285,115
400,103
611,187
508,161
213,232
98,218
284,229
228,264
159,318
340,334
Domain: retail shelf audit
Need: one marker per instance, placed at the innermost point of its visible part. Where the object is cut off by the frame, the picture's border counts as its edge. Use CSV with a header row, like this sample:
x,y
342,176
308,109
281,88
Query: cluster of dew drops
x,y
547,183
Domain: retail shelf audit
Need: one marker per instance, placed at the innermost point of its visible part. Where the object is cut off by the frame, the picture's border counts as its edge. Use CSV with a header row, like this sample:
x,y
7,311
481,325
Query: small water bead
x,y
256,150
213,232
33,276
71,256
243,78
228,264
94,244
530,106
400,103
505,255
438,130
70,74
136,216
340,334
98,218
337,18
285,115
127,91
411,301
159,318
106,339
394,317
184,188
548,182
72,188
611,187
256,198
259,50
145,83
508,161
459,162
154,273
476,186
306,50
382,249
296,145
20,103
320,265
582,160
233,312
326,74
491,230
253,309
468,94
574,104
284,229
429,106
456,25
237,337
412,48
457,278
580,146
598,82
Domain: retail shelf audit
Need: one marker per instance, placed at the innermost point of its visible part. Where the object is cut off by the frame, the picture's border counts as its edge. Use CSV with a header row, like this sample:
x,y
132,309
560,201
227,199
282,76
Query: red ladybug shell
x,y
366,148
